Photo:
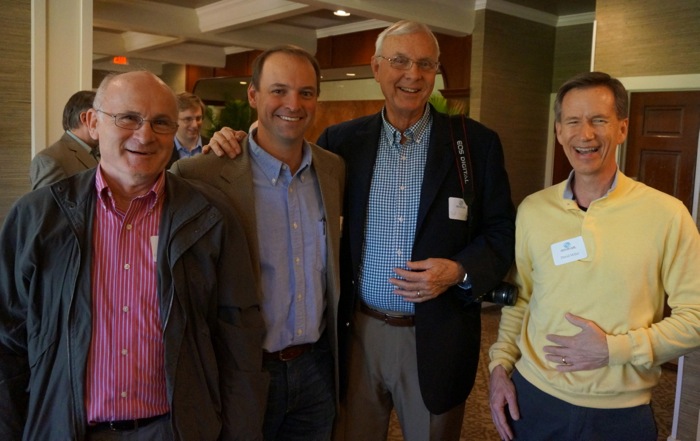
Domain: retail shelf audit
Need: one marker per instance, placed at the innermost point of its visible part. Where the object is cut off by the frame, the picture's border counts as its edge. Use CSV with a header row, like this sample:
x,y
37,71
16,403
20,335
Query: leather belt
x,y
389,319
120,426
287,354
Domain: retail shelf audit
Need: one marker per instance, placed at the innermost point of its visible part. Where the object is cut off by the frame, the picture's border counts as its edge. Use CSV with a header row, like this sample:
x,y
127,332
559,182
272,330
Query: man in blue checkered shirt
x,y
412,250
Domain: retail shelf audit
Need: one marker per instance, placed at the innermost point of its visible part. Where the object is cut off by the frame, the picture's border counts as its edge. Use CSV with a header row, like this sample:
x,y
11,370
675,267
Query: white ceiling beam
x,y
268,35
137,41
110,44
228,15
188,53
452,17
145,16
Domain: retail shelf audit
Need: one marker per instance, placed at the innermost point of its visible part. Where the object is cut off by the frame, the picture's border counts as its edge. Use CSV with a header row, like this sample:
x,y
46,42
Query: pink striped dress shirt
x,y
125,376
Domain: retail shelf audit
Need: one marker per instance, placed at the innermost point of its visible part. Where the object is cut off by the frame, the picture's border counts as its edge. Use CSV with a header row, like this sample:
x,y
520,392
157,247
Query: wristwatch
x,y
466,282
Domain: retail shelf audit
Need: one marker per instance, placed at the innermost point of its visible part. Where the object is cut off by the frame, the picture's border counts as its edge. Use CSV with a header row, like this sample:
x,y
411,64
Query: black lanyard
x,y
460,147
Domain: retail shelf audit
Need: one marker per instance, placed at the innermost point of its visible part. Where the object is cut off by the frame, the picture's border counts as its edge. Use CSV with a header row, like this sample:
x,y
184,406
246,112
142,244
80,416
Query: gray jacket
x,y
209,303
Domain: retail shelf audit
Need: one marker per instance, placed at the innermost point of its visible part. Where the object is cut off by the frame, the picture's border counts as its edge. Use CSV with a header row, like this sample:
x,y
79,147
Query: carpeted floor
x,y
477,422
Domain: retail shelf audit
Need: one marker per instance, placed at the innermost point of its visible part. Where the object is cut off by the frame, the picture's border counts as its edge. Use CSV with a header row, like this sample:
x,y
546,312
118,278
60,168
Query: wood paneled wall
x,y
334,112
15,102
648,37
572,52
516,62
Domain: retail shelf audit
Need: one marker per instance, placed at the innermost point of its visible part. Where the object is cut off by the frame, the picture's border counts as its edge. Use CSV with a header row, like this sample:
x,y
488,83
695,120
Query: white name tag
x,y
154,247
569,250
458,209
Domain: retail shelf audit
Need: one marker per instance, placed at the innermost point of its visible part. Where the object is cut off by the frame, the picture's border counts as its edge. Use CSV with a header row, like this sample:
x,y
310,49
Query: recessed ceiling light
x,y
341,13
243,82
350,74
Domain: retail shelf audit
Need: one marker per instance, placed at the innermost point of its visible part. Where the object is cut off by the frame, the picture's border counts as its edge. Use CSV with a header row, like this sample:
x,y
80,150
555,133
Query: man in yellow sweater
x,y
578,355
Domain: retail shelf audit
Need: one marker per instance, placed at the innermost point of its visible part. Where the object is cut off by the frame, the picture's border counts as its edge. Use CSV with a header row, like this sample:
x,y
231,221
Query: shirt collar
x,y
412,134
79,141
105,194
569,192
273,167
182,148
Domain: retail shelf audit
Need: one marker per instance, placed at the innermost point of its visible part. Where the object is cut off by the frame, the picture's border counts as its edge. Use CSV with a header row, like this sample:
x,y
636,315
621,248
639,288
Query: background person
x,y
74,152
129,310
289,195
188,138
578,355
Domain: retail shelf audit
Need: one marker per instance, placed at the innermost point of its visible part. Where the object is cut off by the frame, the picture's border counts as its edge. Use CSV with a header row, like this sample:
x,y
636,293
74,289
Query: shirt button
x,y
124,352
299,298
123,394
294,225
127,266
297,260
402,187
125,308
129,226
299,332
399,252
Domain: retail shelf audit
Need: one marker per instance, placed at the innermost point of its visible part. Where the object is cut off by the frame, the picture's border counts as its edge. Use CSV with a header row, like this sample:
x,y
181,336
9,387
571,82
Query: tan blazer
x,y
64,158
235,178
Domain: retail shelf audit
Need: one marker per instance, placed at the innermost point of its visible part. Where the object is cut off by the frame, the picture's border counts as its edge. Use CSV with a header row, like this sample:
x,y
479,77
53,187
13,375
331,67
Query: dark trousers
x,y
301,398
543,417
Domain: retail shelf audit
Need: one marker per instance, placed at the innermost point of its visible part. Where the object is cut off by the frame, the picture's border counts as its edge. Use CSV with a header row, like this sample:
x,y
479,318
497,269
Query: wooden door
x,y
663,141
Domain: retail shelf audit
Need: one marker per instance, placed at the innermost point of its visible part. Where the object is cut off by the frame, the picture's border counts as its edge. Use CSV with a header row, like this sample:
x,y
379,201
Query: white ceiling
x,y
202,32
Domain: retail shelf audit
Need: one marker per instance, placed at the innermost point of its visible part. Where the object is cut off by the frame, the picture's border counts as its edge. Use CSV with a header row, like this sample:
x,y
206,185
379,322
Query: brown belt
x,y
287,354
389,319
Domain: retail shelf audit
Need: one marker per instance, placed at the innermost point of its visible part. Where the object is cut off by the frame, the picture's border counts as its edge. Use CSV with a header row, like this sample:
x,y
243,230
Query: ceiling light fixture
x,y
350,74
341,13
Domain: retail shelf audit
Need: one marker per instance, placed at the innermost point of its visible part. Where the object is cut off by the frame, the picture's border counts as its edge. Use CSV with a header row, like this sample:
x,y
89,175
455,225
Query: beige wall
x,y
15,121
648,37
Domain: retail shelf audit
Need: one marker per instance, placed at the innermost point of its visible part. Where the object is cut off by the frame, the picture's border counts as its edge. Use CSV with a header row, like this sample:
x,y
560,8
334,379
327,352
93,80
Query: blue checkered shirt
x,y
392,211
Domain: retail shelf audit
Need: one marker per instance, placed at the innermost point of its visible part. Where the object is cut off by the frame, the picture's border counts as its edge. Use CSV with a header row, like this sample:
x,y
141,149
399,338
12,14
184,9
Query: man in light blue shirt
x,y
188,138
289,194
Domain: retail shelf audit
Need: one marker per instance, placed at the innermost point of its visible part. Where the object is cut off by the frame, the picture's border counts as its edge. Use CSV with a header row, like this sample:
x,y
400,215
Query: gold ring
x,y
563,360
418,294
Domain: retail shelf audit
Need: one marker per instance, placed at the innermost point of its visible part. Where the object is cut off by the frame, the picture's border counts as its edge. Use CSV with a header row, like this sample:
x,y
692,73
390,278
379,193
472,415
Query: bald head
x,y
134,118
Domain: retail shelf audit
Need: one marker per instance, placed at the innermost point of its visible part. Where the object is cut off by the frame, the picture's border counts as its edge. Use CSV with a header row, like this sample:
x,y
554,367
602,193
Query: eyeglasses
x,y
404,63
132,121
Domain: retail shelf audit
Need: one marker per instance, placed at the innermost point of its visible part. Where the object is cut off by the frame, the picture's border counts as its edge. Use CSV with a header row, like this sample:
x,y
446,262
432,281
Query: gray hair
x,y
404,27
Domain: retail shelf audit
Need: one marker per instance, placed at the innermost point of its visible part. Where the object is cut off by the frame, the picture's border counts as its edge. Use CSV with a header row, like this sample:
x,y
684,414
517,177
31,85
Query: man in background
x,y
128,303
289,194
74,152
578,355
188,138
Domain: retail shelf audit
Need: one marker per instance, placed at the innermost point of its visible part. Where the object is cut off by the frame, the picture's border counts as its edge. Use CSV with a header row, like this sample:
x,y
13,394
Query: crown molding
x,y
530,14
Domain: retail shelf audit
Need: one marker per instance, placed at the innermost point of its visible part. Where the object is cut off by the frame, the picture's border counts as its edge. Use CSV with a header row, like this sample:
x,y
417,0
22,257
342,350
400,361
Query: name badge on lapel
x,y
458,209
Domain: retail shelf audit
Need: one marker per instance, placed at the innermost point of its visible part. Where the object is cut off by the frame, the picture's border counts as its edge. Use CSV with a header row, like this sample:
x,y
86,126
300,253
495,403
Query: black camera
x,y
503,294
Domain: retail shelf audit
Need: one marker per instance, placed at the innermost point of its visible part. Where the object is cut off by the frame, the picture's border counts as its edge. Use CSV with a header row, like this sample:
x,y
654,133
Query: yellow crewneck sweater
x,y
639,243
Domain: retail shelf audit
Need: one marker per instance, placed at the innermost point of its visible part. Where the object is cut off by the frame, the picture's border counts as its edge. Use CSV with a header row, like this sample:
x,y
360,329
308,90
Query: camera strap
x,y
463,162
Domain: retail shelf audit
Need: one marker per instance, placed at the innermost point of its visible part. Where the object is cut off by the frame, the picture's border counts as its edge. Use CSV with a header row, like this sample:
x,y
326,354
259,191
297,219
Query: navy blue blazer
x,y
448,332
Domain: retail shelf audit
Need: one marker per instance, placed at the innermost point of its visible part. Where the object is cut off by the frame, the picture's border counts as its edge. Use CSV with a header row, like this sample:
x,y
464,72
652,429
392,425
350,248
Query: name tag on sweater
x,y
569,250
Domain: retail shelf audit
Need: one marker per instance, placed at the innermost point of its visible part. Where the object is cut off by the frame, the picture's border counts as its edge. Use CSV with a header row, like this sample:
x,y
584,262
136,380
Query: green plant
x,y
236,114
441,105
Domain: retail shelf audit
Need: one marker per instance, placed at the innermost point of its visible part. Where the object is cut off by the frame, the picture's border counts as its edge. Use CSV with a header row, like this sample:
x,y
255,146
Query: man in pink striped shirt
x,y
129,308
